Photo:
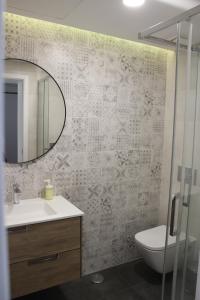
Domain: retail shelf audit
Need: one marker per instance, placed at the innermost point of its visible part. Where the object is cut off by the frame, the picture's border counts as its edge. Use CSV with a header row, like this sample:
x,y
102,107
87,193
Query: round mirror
x,y
35,111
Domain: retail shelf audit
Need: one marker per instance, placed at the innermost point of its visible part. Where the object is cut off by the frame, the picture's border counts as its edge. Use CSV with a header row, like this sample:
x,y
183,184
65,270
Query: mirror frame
x,y
63,98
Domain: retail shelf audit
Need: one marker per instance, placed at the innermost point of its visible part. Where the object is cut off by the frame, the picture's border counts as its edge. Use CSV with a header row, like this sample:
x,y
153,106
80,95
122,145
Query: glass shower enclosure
x,y
183,221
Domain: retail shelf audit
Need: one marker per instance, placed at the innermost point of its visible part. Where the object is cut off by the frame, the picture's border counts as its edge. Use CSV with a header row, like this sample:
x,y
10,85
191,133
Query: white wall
x,y
56,112
167,143
4,289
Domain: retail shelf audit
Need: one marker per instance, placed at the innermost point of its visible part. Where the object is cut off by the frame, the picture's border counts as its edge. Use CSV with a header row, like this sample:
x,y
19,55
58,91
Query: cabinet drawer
x,y
37,240
44,272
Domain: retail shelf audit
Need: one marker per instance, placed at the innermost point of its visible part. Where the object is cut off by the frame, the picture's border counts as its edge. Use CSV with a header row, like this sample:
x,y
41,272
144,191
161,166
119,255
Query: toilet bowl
x,y
151,246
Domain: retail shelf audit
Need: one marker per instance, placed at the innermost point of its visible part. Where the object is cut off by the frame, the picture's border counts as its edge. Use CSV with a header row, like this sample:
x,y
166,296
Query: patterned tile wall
x,y
108,159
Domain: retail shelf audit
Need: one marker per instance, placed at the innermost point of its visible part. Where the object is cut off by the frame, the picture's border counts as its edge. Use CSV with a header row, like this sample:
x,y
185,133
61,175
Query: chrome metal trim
x,y
173,21
172,219
172,160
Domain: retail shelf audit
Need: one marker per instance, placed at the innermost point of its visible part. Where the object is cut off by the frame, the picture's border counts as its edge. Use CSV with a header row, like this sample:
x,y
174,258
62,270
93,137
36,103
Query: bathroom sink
x,y
28,210
38,210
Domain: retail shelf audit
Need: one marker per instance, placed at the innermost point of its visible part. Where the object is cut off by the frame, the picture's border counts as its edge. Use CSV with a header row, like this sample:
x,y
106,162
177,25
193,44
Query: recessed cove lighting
x,y
133,3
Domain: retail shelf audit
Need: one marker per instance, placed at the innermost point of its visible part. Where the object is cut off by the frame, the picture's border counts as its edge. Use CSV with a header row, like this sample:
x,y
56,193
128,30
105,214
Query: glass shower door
x,y
183,217
43,143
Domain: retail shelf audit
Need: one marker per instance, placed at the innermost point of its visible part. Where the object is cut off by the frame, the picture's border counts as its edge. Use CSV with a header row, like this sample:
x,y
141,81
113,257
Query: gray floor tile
x,y
132,281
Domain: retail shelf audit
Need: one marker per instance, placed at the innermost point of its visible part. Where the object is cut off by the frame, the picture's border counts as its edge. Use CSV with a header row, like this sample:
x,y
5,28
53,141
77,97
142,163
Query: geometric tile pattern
x,y
108,160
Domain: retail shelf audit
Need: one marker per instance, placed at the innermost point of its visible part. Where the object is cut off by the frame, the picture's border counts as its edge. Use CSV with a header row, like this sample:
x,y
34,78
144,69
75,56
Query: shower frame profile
x,y
148,34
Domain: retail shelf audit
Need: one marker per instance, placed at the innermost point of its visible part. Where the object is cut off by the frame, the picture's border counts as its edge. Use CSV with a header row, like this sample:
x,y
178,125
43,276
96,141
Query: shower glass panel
x,y
183,226
183,222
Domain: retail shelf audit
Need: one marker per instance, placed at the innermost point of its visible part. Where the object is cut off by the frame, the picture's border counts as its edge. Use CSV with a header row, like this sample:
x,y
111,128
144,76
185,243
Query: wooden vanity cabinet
x,y
44,255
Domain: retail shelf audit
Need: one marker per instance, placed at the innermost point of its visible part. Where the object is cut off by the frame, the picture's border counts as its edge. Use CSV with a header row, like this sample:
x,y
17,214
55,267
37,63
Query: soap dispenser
x,y
48,190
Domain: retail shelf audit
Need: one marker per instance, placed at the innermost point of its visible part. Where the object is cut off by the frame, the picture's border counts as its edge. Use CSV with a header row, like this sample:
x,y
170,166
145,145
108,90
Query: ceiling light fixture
x,y
133,3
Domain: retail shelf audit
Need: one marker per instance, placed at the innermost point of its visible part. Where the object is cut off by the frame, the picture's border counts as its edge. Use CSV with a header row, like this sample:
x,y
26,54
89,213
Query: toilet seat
x,y
154,238
150,244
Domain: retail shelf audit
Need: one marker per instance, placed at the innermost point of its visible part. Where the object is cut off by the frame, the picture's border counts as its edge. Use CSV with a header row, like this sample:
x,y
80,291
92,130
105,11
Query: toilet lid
x,y
154,238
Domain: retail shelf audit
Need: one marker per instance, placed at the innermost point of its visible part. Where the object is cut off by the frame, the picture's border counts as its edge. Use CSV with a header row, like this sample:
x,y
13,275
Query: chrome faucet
x,y
16,193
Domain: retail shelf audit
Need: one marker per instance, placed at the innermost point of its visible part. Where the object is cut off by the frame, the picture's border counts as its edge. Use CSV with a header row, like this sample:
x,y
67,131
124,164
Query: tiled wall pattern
x,y
108,160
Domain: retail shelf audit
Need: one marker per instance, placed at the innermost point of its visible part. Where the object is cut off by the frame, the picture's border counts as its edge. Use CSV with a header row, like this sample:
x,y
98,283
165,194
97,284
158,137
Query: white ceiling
x,y
104,16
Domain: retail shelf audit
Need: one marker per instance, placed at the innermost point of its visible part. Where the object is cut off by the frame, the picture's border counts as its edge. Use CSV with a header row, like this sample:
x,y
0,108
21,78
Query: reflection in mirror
x,y
34,111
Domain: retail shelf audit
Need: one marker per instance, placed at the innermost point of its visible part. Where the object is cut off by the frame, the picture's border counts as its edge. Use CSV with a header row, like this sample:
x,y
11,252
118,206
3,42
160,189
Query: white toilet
x,y
151,246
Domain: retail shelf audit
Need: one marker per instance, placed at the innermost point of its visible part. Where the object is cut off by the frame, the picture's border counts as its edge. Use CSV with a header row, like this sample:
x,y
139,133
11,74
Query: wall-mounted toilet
x,y
151,246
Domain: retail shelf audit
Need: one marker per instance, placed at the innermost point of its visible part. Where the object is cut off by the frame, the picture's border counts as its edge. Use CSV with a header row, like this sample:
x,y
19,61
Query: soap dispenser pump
x,y
48,190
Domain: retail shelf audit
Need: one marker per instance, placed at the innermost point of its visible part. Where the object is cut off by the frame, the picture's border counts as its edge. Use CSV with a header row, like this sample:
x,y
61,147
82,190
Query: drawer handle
x,y
20,229
43,259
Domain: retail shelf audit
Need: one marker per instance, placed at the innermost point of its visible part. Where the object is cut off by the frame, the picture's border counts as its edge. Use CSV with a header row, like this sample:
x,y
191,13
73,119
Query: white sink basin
x,y
27,210
38,210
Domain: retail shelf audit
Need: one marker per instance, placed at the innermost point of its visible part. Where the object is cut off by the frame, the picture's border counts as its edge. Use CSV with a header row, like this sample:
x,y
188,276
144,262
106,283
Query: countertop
x,y
38,210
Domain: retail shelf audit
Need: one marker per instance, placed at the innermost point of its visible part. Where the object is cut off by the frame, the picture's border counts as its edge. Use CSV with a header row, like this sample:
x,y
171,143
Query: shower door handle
x,y
173,211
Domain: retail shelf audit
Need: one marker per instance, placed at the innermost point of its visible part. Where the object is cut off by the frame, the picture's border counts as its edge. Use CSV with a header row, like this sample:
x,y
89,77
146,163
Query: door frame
x,y
4,269
22,114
